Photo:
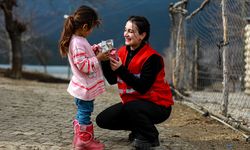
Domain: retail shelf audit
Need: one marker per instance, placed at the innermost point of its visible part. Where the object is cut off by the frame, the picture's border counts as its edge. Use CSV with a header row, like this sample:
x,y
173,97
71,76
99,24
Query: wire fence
x,y
210,49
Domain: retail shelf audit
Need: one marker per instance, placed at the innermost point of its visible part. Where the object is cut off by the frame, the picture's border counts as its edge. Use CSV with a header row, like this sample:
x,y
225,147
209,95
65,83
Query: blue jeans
x,y
84,110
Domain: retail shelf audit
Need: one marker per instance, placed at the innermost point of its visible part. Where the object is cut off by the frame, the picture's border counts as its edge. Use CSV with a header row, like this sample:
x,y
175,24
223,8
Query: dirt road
x,y
37,116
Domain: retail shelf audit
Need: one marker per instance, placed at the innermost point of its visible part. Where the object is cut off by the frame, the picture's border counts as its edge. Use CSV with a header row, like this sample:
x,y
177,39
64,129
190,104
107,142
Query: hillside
x,y
46,24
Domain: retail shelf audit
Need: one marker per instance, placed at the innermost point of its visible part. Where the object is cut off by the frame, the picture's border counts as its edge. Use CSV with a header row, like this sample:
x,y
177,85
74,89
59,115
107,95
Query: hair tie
x,y
71,18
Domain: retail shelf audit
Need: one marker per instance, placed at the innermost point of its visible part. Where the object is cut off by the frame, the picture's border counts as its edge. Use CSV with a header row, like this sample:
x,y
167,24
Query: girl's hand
x,y
115,64
102,56
96,48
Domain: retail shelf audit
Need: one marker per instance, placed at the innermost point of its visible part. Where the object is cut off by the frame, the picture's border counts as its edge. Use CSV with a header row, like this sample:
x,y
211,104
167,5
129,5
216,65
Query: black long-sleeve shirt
x,y
148,75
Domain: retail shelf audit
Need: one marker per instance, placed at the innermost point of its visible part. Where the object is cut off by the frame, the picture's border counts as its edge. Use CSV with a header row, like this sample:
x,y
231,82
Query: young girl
x,y
87,81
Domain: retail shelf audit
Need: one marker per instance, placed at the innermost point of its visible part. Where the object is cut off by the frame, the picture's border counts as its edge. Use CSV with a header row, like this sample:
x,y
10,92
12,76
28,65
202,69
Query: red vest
x,y
159,93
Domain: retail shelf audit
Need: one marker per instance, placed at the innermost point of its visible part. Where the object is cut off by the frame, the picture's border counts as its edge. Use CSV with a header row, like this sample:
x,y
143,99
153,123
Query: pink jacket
x,y
87,81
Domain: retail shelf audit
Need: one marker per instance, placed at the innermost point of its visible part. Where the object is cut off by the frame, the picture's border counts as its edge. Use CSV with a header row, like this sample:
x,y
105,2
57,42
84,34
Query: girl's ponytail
x,y
67,32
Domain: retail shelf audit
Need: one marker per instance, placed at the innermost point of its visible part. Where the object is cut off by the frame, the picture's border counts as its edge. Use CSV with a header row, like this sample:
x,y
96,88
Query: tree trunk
x,y
15,30
180,56
16,67
179,70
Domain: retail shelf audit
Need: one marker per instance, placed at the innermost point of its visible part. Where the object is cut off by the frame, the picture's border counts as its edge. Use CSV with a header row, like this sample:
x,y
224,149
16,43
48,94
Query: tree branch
x,y
198,9
178,7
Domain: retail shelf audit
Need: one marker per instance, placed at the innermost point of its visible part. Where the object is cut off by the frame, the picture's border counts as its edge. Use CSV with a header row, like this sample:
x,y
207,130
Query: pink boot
x,y
75,122
84,139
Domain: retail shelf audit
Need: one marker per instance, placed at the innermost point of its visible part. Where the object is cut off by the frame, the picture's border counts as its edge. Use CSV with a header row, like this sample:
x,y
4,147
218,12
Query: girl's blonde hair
x,y
83,15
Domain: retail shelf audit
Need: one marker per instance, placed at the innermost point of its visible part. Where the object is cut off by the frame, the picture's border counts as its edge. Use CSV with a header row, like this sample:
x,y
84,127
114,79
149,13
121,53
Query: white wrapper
x,y
106,45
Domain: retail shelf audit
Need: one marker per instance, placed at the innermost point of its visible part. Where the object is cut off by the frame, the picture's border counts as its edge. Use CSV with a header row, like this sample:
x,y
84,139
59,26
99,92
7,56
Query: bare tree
x,y
4,42
203,4
17,35
15,28
41,53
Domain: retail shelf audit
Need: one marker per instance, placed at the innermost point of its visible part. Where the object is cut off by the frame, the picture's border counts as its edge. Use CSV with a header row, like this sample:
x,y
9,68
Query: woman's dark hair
x,y
83,15
142,25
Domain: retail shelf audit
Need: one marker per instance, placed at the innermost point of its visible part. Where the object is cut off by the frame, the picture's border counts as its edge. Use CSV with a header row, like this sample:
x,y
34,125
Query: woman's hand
x,y
115,64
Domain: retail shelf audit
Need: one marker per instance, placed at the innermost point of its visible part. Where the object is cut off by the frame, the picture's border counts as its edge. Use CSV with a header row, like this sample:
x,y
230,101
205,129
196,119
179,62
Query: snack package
x,y
106,45
113,54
